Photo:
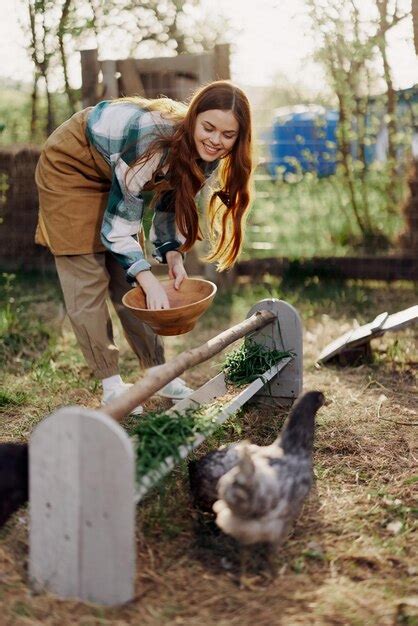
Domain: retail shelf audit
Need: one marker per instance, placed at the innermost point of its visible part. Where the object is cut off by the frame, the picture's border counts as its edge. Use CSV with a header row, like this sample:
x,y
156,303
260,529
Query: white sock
x,y
111,382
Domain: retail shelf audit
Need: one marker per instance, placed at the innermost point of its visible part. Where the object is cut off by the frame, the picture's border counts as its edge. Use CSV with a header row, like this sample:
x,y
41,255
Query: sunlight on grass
x,y
312,217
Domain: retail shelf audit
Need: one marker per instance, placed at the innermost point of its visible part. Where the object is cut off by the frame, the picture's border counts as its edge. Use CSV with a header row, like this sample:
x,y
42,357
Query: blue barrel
x,y
303,139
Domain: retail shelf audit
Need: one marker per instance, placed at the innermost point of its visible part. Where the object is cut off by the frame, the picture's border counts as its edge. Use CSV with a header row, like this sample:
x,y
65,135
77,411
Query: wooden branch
x,y
163,374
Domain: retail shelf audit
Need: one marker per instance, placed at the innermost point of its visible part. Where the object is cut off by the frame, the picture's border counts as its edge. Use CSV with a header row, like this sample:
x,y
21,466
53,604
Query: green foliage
x,y
23,336
306,216
159,435
350,48
56,31
12,398
250,361
15,114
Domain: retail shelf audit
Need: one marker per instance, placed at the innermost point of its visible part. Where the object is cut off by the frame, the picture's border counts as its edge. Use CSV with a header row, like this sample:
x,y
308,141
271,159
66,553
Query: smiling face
x,y
215,133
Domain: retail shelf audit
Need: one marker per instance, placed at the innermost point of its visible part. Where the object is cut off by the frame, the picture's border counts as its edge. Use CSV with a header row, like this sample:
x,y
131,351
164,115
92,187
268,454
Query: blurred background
x,y
334,93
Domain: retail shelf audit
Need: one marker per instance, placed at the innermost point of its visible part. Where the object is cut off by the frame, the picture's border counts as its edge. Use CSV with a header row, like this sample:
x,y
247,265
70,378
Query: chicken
x,y
205,473
258,491
14,478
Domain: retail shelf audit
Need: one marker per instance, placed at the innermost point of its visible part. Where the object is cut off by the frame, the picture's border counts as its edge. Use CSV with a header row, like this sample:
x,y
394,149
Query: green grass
x,y
342,563
312,217
159,435
250,361
25,335
15,114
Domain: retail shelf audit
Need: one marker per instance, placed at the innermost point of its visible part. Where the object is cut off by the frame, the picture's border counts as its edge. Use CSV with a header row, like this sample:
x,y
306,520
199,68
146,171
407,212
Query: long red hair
x,y
229,203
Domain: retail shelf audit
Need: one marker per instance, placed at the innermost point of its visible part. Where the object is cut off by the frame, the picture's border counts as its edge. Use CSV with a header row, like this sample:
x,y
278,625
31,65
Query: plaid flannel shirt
x,y
121,132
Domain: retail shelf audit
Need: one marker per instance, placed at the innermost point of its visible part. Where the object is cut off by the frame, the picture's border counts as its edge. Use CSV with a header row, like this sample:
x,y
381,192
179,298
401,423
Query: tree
x,y
57,29
41,53
350,48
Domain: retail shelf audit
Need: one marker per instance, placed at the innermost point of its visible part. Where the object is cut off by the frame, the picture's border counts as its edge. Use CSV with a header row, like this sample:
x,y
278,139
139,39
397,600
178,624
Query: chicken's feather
x,y
261,489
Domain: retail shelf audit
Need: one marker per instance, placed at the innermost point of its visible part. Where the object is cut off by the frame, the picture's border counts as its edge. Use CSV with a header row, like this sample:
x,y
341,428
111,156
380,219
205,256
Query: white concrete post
x,y
82,511
286,386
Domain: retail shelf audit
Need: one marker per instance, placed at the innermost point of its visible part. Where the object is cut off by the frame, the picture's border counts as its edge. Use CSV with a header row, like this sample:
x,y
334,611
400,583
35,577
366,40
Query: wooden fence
x,y
176,77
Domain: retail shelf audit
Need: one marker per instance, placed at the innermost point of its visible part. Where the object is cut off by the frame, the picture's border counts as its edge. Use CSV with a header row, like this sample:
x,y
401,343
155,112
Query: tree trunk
x,y
50,118
34,106
391,107
344,144
415,23
408,239
68,90
60,33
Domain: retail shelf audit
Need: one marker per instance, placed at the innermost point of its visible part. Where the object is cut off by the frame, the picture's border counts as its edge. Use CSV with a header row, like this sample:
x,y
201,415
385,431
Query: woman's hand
x,y
176,268
154,292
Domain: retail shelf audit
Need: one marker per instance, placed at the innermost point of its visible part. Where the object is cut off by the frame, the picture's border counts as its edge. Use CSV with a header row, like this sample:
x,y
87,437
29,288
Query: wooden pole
x,y
221,62
130,83
415,23
89,77
110,82
165,373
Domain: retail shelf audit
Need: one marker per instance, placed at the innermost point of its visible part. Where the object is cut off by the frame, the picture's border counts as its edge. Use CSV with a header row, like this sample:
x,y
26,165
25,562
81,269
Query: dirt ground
x,y
352,556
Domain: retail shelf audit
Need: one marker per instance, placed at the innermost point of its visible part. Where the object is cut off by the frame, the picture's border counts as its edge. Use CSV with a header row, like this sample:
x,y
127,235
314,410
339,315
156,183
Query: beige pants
x,y
87,281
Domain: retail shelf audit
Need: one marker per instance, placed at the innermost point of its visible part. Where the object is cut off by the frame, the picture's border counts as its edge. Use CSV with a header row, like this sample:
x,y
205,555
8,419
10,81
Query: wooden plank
x,y
130,83
364,334
401,319
187,63
386,268
206,68
211,391
185,86
89,77
221,61
378,322
207,393
110,81
82,513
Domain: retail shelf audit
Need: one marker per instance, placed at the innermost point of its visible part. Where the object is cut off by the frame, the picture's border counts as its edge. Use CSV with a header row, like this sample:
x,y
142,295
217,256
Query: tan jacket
x,y
73,182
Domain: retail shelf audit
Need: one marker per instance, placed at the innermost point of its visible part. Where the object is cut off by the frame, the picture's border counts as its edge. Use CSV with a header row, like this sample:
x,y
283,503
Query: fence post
x,y
130,83
285,387
90,69
82,511
110,82
221,62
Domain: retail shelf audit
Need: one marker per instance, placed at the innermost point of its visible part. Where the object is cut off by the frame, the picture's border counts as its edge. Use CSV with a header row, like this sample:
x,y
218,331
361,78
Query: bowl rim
x,y
176,308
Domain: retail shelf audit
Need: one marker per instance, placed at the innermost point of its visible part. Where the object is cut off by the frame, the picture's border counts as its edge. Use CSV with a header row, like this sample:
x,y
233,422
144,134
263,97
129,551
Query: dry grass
x,y
351,559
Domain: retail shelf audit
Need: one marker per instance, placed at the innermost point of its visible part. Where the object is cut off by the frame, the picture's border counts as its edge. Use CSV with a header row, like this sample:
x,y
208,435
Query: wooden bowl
x,y
187,304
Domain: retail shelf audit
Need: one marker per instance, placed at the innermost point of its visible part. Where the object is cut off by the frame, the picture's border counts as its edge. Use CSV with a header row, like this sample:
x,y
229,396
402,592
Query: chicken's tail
x,y
298,432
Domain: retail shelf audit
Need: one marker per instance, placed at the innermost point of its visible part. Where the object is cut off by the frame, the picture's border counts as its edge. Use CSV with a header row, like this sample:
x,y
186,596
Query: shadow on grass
x,y
220,553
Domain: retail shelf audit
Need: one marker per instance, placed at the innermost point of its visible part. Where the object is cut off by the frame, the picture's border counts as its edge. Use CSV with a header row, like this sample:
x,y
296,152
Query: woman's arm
x,y
164,234
155,294
166,238
122,219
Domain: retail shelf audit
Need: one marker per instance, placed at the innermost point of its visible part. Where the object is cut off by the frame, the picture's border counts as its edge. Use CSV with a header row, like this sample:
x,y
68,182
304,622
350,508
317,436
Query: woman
x,y
90,177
